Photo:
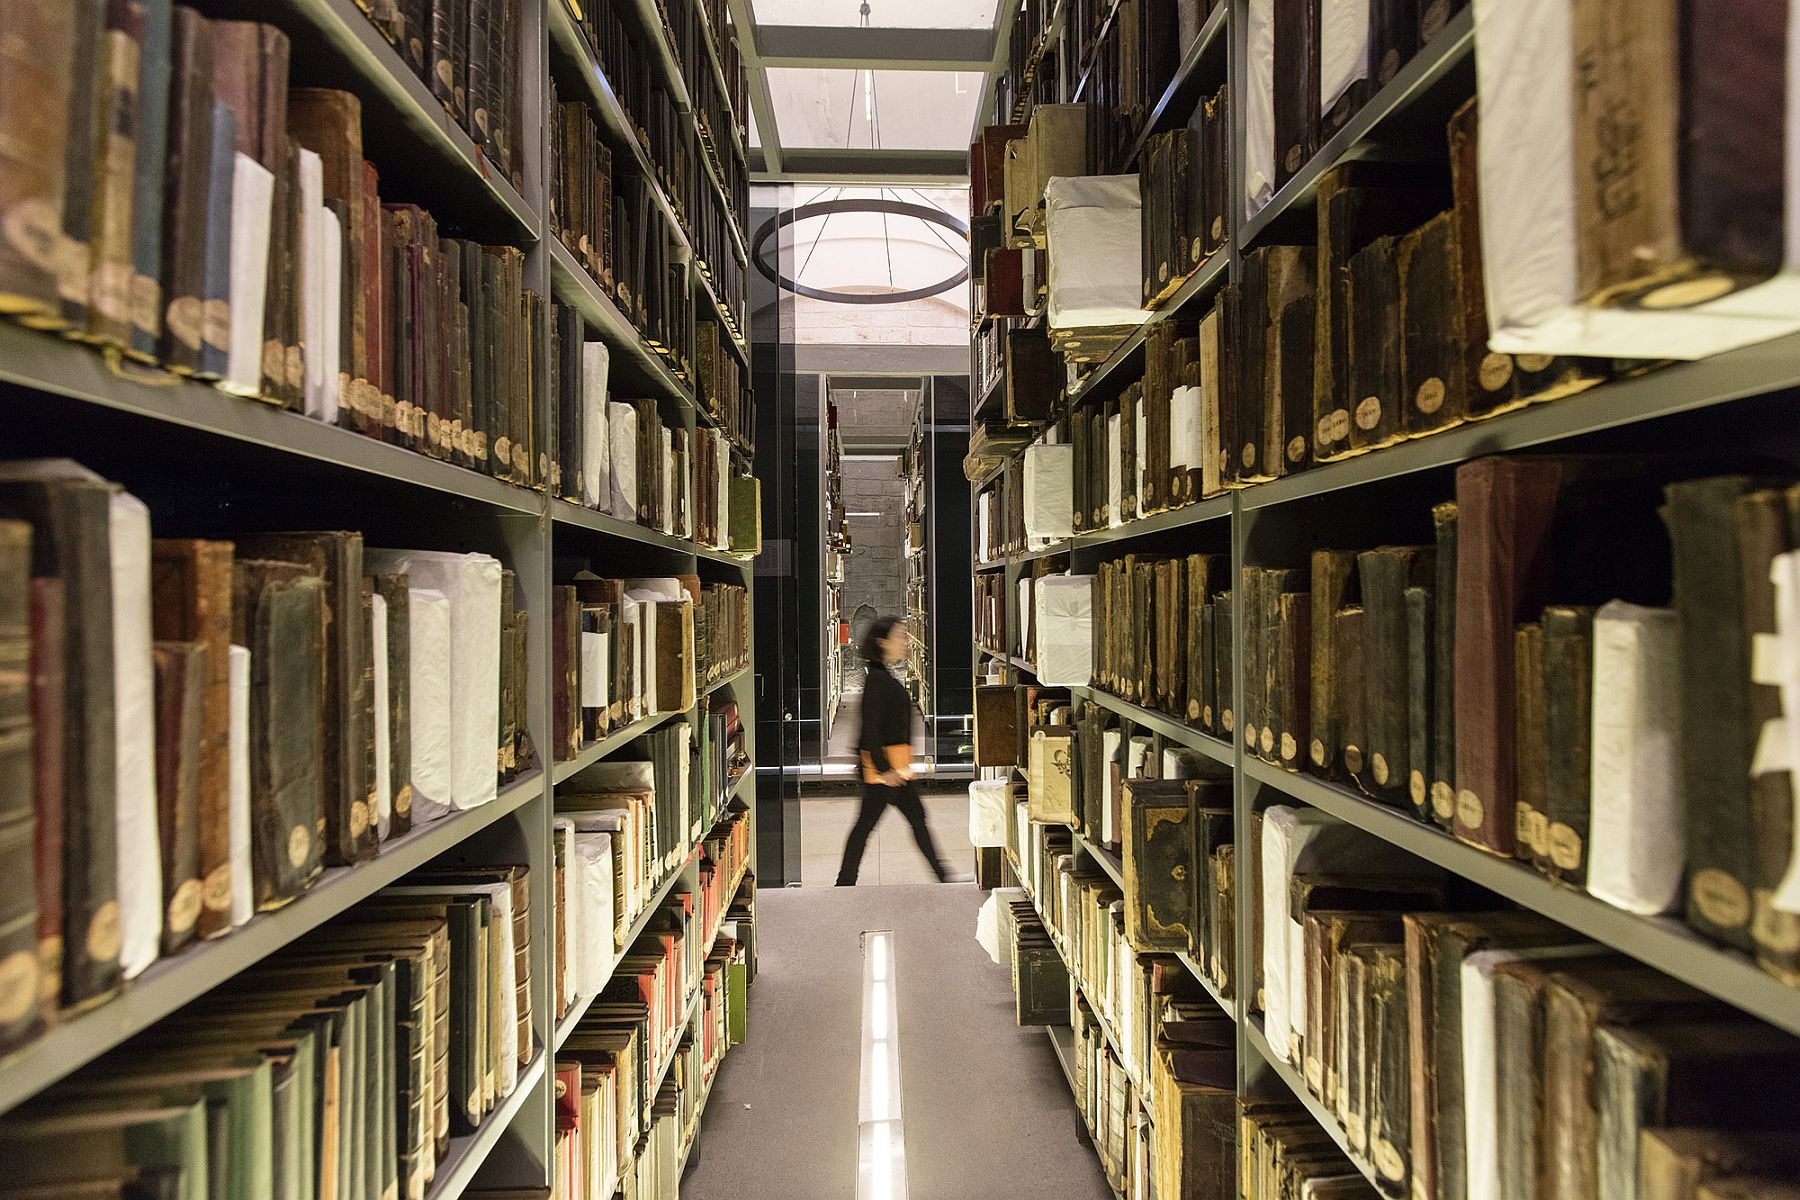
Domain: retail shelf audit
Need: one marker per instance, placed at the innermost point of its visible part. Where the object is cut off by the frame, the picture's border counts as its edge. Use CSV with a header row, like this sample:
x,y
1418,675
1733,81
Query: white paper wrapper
x,y
987,926
574,909
243,897
428,618
252,195
1065,630
1343,48
1049,492
987,812
471,582
1259,111
312,283
1637,834
1529,229
134,706
596,469
1094,227
384,716
622,440
594,954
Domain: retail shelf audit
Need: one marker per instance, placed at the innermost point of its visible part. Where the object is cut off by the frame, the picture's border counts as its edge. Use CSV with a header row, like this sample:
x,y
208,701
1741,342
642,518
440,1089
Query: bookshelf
x,y
206,461
1730,406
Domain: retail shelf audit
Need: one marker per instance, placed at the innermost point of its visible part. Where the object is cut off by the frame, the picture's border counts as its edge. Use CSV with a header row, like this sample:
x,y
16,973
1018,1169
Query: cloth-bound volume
x,y
21,1015
191,601
182,678
278,613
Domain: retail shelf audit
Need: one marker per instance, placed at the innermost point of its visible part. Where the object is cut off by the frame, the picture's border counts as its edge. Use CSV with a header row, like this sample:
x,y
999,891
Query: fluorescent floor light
x,y
881,1140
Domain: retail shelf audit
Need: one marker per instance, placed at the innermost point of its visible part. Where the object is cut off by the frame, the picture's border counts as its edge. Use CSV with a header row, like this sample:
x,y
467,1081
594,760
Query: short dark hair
x,y
879,630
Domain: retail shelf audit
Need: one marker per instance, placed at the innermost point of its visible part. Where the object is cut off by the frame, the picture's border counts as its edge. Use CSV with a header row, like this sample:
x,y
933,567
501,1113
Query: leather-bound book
x,y
1332,915
565,672
1487,374
1351,692
1255,694
1435,14
1279,276
1197,1107
1223,685
119,65
69,520
1763,534
329,123
181,682
1436,946
1531,766
994,139
1567,747
1214,185
184,190
1032,376
1442,784
397,595
1290,700
1291,406
337,558
1505,508
1296,115
1718,736
1432,384
215,311
1221,953
1674,1163
1333,578
1419,682
1157,846
1577,1001
1390,1071
191,602
1384,575
37,44
49,723
1731,1072
1375,356
1393,37
21,1017
446,55
155,19
1239,344
84,172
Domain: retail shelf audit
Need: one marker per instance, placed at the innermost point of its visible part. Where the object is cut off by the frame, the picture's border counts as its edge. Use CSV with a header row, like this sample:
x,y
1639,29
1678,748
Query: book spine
x,y
181,671
1432,382
1375,356
184,191
49,724
215,320
37,47
1442,785
21,1017
115,172
90,84
1333,587
1420,687
1530,757
1568,720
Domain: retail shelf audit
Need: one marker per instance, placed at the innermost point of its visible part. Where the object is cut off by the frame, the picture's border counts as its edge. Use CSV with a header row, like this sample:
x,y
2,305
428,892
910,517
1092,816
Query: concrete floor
x,y
892,856
988,1114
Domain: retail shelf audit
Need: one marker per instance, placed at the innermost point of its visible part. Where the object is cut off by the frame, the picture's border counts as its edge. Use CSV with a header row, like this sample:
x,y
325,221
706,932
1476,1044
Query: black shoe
x,y
956,877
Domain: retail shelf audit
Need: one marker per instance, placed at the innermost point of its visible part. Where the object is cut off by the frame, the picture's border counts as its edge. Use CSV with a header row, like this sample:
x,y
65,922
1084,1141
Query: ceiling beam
x,y
868,166
768,136
855,48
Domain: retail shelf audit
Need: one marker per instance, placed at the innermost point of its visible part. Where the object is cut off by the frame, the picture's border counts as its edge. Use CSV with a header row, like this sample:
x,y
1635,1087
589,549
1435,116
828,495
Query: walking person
x,y
884,752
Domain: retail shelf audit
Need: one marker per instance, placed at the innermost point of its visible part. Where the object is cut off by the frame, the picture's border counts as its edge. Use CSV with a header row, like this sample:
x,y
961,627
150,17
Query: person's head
x,y
885,642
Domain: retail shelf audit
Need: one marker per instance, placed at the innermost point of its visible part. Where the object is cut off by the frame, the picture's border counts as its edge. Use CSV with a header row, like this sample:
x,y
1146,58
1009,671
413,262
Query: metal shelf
x,y
382,71
1051,551
1190,65
466,1154
1109,861
1214,748
45,363
717,63
172,982
1176,518
1684,387
1228,1007
1062,1043
662,52
562,512
1211,273
1665,944
570,283
1454,44
1253,1032
615,740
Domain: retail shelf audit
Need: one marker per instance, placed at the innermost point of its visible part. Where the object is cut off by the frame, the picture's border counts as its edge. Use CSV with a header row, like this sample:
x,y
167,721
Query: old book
x,y
396,595
1333,916
337,558
20,961
1333,578
1718,737
1419,682
1568,694
1223,685
83,170
1290,700
70,523
996,728
1673,1163
1443,683
329,123
215,312
1239,358
1376,382
191,602
183,676
1347,630
1157,844
150,162
1432,384
109,252
1296,96
1393,37
1215,396
1488,375
1384,575
278,612
50,711
37,46
1576,1002
1293,367
1531,766
184,190
1681,1073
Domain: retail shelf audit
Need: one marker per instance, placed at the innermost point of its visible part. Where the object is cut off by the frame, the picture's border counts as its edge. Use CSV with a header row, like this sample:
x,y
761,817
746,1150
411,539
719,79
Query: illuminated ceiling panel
x,y
835,109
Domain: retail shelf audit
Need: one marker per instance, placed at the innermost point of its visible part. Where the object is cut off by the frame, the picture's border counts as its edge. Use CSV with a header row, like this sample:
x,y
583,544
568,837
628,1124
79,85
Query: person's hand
x,y
892,778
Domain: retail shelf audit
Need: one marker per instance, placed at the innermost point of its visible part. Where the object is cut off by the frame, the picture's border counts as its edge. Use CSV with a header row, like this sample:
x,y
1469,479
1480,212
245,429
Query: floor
x,y
987,1110
892,855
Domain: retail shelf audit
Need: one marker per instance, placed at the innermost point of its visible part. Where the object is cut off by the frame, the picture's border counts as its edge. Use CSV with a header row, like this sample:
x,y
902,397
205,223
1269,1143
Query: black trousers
x,y
875,799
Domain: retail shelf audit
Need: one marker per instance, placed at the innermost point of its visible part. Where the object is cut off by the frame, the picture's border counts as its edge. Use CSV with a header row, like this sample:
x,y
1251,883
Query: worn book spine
x,y
21,1017
1568,719
1291,407
1442,783
1347,631
83,171
37,45
1393,37
1296,116
1331,339
1333,578
1251,710
1385,574
1375,355
1239,353
1202,680
145,297
1504,512
184,191
1718,738
1488,374
1223,686
1432,383
50,704
215,309
1291,701
115,175
181,679
397,594
1213,391
1531,766
1420,661
1390,1130
1763,534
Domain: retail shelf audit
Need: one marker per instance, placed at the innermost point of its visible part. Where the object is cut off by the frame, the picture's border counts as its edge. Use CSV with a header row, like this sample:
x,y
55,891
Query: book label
x,y
1721,899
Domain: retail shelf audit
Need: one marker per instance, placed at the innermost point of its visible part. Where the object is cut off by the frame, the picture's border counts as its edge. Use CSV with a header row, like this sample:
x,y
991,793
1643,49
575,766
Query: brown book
x,y
1157,844
996,726
1577,1000
1333,914
49,724
1352,693
117,117
279,613
1488,374
1292,366
83,170
1296,115
336,557
1431,375
1567,745
1384,576
37,45
329,123
1531,766
1420,671
183,676
1333,587
1674,1163
191,602
1375,354
21,1018
184,190
1290,697
1442,789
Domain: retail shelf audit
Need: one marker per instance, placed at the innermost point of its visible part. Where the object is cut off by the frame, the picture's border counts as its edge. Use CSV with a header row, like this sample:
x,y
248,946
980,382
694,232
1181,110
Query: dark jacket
x,y
885,742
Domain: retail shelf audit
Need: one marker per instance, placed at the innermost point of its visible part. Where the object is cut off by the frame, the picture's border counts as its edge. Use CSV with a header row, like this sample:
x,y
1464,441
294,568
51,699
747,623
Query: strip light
x,y
881,1141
